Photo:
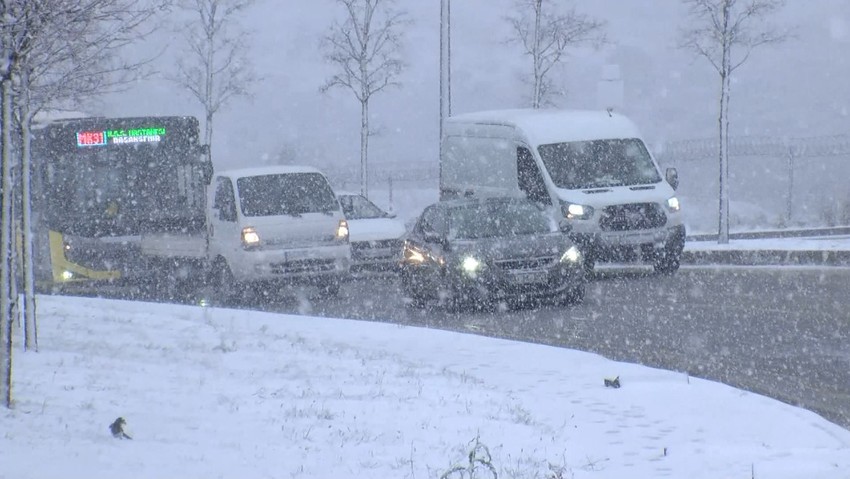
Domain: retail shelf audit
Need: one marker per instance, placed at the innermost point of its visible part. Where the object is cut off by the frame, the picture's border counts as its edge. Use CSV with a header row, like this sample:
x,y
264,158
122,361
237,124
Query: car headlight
x,y
571,255
471,265
250,237
673,204
575,211
414,255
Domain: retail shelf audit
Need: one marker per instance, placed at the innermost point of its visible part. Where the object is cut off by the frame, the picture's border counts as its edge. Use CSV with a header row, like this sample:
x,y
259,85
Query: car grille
x,y
303,266
523,264
633,216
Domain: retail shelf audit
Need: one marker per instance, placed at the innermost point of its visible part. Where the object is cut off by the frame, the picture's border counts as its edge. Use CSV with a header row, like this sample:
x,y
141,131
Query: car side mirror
x,y
672,177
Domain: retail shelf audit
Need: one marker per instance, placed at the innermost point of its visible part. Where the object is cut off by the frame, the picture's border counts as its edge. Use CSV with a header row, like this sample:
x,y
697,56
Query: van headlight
x,y
575,211
572,255
673,204
250,237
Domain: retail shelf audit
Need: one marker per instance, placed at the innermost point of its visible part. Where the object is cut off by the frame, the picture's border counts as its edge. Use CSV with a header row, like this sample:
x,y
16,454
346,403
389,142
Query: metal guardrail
x,y
783,233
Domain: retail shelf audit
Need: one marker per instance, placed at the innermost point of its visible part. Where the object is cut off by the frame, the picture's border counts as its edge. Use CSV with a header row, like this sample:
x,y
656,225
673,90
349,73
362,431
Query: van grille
x,y
303,266
633,216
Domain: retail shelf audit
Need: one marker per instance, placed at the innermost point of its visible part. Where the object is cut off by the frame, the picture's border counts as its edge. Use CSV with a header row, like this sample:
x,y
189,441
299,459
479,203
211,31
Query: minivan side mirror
x,y
672,177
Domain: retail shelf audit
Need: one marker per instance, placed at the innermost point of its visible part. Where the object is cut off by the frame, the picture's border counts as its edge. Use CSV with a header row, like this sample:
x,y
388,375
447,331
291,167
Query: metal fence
x,y
773,182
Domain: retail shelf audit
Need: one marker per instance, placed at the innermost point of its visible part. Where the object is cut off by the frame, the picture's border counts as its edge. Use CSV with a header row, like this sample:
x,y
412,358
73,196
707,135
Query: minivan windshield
x,y
496,219
599,163
286,194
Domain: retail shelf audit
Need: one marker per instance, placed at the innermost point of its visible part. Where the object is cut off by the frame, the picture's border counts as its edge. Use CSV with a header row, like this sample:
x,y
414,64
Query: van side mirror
x,y
672,177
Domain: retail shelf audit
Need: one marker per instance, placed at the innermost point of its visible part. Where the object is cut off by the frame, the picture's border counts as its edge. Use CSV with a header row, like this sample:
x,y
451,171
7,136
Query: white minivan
x,y
276,224
590,167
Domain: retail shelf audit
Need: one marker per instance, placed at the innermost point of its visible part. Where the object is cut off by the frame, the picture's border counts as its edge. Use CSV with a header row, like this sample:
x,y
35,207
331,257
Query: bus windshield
x,y
114,177
599,163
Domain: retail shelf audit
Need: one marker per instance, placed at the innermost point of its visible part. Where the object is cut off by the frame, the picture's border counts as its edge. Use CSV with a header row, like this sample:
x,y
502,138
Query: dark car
x,y
484,250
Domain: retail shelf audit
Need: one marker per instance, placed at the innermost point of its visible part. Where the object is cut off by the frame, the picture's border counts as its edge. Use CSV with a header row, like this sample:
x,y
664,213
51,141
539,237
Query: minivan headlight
x,y
673,204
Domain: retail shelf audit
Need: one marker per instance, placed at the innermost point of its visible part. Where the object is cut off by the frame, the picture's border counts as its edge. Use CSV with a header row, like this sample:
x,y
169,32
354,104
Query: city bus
x,y
103,185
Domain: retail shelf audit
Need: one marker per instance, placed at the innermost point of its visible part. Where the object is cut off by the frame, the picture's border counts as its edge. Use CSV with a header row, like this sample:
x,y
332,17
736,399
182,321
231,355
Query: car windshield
x,y
599,163
285,194
357,207
496,219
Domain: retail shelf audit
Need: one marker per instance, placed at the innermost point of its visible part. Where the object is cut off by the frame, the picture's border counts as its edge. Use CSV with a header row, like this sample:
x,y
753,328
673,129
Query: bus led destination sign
x,y
120,137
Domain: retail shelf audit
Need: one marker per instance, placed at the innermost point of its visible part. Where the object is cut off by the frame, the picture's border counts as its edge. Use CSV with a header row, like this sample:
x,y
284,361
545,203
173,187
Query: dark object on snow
x,y
117,429
612,383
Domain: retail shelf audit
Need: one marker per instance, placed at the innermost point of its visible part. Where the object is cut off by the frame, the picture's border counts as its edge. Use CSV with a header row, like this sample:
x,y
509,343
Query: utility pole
x,y
445,67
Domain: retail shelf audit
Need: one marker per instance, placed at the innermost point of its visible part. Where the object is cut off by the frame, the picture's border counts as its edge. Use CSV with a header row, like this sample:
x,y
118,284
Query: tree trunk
x,y
364,147
6,251
535,55
30,325
725,86
208,94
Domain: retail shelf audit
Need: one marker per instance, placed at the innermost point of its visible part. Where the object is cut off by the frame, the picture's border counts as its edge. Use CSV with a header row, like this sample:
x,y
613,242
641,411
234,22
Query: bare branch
x,y
215,68
546,36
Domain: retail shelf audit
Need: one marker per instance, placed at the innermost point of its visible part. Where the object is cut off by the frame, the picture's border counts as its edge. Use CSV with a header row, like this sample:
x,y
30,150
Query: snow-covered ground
x,y
225,393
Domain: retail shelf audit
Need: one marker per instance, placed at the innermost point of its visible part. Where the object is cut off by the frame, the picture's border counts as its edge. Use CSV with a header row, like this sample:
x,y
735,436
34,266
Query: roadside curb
x,y
767,257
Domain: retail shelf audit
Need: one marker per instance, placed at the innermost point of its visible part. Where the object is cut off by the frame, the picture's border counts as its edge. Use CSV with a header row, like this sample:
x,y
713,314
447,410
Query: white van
x,y
277,224
591,167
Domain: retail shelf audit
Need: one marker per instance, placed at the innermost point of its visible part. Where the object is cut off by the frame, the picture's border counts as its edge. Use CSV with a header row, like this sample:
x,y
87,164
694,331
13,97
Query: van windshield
x,y
286,194
599,163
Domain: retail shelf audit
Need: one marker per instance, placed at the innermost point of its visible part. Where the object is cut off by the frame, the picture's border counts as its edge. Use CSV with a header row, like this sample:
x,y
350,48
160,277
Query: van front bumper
x,y
631,246
300,266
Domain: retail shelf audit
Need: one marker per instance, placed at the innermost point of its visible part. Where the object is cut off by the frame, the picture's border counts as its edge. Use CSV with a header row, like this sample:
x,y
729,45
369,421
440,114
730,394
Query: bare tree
x,y
56,51
216,68
546,36
6,251
725,33
366,50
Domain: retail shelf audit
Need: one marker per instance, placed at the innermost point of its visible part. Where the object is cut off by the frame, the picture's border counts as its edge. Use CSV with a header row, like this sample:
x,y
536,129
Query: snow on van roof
x,y
268,170
547,126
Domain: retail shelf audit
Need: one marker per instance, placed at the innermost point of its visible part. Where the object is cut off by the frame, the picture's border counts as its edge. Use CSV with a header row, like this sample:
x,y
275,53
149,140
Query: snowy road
x,y
781,332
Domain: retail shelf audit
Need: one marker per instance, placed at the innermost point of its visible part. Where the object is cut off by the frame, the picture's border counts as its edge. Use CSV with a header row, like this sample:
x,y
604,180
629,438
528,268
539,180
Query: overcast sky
x,y
799,88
